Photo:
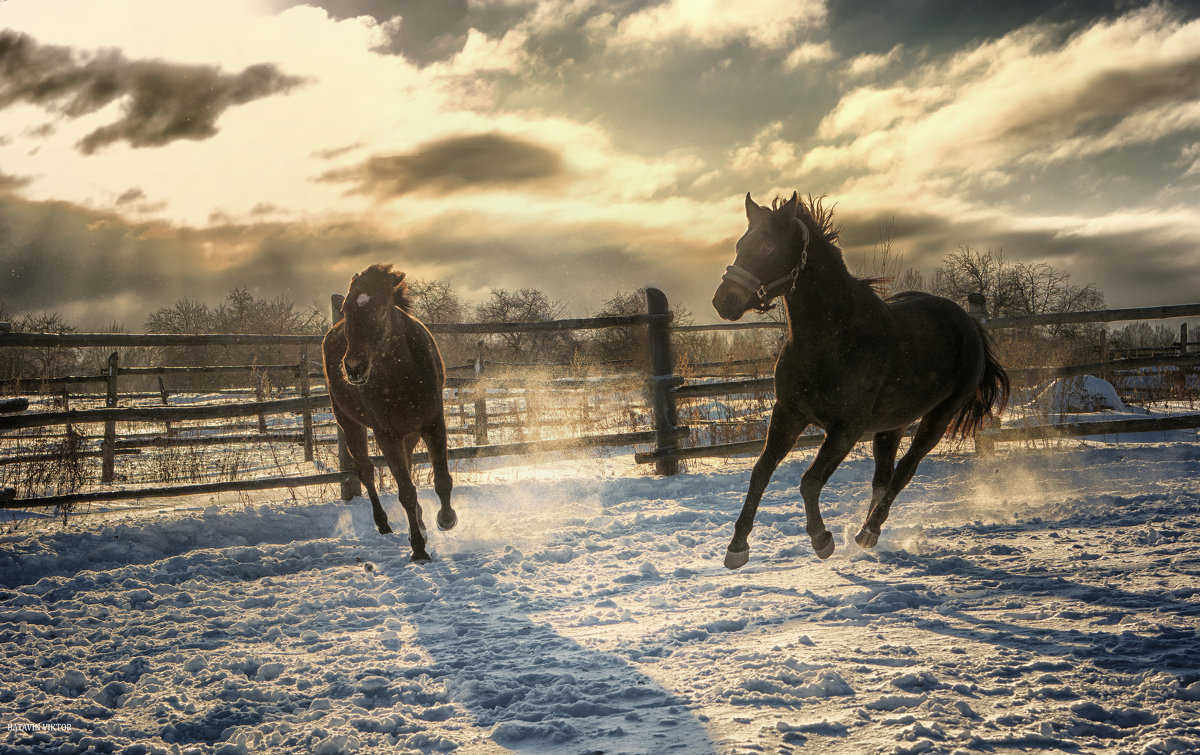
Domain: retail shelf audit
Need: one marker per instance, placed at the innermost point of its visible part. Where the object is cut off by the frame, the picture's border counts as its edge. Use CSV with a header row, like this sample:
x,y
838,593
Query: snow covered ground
x,y
1034,600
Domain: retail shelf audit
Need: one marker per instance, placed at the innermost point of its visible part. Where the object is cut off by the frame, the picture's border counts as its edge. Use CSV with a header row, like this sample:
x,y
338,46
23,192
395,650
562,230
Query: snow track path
x,y
1046,601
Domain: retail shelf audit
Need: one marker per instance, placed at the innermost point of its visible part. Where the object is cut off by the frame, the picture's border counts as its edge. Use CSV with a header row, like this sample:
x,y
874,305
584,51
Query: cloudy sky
x,y
152,150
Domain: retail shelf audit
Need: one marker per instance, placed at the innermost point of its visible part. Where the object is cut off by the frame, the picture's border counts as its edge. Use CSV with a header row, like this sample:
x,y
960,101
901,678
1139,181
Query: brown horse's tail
x,y
992,393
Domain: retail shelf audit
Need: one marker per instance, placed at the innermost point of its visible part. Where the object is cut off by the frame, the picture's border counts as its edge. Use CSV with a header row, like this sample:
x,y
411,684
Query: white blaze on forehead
x,y
363,299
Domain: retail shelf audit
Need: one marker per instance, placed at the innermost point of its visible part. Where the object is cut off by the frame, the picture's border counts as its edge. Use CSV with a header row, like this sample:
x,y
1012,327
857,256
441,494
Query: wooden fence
x,y
656,321
680,390
664,390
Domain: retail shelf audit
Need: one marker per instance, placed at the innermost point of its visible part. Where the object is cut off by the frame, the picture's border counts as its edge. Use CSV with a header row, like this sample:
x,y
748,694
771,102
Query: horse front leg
x,y
356,442
396,452
781,436
838,442
435,440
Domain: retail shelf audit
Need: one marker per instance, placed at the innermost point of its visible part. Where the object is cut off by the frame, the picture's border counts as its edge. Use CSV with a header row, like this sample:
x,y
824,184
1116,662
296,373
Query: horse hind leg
x,y
929,433
781,436
443,484
884,447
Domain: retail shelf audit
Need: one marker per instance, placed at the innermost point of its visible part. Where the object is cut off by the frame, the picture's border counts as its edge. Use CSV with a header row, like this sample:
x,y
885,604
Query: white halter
x,y
767,291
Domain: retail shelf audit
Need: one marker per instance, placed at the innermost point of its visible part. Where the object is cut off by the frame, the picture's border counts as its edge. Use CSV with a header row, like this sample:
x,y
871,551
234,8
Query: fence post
x,y
662,379
351,488
261,381
977,305
481,415
306,391
1183,339
109,446
162,391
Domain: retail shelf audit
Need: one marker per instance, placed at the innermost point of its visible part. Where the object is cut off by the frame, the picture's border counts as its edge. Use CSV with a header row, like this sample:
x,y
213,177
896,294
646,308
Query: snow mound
x,y
1085,393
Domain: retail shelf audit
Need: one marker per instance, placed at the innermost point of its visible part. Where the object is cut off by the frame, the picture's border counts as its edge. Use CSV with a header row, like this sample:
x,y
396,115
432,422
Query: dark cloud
x,y
162,101
130,196
96,269
427,32
1131,268
9,183
941,26
453,164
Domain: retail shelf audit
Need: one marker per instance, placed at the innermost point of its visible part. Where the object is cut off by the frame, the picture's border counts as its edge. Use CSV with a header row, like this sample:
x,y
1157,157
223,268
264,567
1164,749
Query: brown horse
x,y
384,372
853,364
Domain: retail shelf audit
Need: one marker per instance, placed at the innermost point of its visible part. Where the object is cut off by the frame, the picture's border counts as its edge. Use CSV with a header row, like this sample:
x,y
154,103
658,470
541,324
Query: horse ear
x,y
789,207
753,211
400,288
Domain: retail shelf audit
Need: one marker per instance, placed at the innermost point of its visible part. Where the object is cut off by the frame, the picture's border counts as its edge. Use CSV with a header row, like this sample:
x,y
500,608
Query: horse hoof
x,y
736,559
867,538
446,519
421,558
384,529
823,545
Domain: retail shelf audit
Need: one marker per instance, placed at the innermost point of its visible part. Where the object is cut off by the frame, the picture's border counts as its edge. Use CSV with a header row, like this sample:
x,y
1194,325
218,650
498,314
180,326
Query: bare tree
x,y
887,270
435,301
37,362
968,271
526,305
1021,288
240,312
628,345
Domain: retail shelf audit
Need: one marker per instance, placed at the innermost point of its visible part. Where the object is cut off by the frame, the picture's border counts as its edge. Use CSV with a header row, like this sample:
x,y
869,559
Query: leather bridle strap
x,y
767,291
764,291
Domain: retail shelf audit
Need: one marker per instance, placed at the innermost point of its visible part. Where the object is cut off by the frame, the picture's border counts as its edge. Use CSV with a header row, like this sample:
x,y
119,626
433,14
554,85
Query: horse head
x,y
367,313
770,256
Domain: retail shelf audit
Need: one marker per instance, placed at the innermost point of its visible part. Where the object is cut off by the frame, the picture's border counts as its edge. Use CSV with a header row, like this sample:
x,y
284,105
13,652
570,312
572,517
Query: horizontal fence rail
x,y
1165,312
164,414
117,340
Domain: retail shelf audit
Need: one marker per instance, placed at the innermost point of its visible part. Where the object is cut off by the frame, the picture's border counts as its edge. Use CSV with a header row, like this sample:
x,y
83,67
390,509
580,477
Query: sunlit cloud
x,y
714,22
1024,98
864,65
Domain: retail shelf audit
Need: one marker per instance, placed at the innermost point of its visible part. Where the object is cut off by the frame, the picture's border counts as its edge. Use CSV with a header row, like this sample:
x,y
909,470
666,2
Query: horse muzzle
x,y
356,370
731,301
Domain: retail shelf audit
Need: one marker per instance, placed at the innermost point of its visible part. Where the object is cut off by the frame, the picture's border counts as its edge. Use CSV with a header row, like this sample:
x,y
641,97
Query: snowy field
x,y
1035,600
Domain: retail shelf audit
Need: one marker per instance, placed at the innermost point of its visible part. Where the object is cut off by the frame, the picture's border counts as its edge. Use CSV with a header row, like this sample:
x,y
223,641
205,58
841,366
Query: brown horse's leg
x,y
356,442
838,442
435,441
929,433
396,452
781,436
884,446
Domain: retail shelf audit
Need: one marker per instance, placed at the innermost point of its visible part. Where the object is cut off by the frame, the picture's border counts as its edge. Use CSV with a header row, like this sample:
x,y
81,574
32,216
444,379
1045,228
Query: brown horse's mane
x,y
400,296
820,218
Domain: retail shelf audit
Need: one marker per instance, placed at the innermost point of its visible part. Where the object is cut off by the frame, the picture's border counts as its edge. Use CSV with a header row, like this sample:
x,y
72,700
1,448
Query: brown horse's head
x,y
769,257
367,314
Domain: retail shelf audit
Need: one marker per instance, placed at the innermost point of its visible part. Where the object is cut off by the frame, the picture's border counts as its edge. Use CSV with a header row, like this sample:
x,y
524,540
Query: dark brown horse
x,y
853,364
384,372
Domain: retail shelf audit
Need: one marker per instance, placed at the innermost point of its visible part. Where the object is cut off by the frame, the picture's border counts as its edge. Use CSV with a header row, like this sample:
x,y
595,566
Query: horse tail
x,y
991,393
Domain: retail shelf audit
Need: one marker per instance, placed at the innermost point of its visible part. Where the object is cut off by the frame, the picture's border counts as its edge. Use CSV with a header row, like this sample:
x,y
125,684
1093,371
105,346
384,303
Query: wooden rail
x,y
164,413
1104,315
266,339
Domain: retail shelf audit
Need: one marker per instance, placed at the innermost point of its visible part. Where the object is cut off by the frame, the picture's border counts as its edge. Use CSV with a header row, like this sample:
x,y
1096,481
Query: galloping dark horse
x,y
384,372
853,364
